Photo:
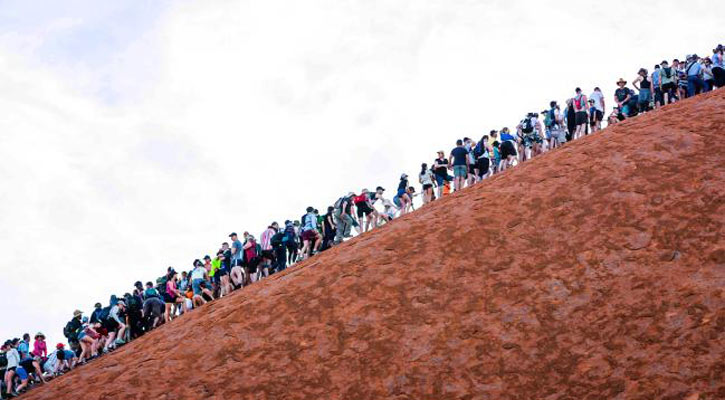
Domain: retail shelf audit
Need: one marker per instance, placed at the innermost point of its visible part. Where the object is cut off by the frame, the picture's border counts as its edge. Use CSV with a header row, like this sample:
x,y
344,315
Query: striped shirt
x,y
266,239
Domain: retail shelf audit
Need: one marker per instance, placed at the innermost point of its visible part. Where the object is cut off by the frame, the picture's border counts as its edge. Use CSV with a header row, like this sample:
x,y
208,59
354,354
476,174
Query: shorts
x,y
580,118
81,336
110,324
428,186
363,209
309,235
168,298
507,149
252,265
595,116
483,166
440,179
645,96
221,272
196,286
668,87
22,373
529,140
268,255
459,171
27,365
472,168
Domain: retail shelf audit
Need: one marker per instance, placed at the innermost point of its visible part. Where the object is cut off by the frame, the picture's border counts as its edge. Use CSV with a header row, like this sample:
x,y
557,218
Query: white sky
x,y
137,136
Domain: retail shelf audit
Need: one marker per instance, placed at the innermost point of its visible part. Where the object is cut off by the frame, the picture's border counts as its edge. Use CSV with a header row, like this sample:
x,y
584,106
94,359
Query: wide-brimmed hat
x,y
621,80
77,313
39,334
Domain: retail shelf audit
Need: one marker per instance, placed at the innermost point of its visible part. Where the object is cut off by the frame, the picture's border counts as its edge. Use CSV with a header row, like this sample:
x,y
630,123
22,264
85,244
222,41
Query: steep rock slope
x,y
595,271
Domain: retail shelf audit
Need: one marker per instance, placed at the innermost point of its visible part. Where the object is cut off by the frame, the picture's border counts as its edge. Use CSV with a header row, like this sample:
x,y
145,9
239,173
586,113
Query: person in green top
x,y
220,276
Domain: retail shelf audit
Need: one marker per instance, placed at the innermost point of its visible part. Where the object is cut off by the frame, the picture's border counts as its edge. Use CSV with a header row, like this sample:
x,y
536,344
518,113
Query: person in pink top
x,y
172,296
265,240
40,349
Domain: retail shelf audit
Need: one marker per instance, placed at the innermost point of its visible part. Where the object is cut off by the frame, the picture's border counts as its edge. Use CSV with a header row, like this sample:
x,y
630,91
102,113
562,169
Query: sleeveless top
x,y
646,84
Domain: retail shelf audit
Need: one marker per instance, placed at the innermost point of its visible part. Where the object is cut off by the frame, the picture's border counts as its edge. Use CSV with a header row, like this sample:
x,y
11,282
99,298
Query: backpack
x,y
550,118
71,329
276,240
360,199
3,360
289,234
527,125
250,253
580,100
133,303
161,285
338,203
103,315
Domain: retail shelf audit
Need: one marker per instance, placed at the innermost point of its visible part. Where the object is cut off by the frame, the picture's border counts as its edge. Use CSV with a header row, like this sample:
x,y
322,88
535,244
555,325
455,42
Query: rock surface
x,y
596,271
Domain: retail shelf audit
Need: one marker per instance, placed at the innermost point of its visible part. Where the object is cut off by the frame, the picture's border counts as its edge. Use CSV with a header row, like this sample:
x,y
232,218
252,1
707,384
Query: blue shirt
x,y
507,136
23,349
238,253
459,155
656,77
694,69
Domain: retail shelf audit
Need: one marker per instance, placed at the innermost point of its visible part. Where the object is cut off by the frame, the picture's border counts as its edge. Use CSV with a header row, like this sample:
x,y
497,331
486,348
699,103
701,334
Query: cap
x,y
121,303
404,176
380,188
206,257
77,313
232,234
59,346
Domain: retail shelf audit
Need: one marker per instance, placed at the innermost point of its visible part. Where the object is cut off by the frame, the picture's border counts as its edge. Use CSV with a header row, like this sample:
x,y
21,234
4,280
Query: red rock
x,y
611,288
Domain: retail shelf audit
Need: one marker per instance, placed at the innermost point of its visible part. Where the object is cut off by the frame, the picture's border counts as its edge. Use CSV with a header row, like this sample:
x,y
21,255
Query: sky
x,y
137,135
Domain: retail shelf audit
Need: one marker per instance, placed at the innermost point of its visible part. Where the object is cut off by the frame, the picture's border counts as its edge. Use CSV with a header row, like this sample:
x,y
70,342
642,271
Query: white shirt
x,y
597,97
198,273
426,178
13,358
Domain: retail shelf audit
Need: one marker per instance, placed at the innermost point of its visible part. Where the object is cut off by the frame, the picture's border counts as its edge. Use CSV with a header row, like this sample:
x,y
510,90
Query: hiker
x,y
707,76
668,83
656,86
470,145
622,97
265,242
718,66
459,156
644,85
251,258
402,200
579,103
236,249
365,210
598,98
309,234
13,362
236,272
694,73
88,339
529,129
426,178
482,153
440,169
198,275
172,296
507,149
40,348
114,322
679,68
328,229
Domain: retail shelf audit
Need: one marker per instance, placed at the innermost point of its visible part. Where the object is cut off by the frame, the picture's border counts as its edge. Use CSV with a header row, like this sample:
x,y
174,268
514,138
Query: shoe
x,y
120,342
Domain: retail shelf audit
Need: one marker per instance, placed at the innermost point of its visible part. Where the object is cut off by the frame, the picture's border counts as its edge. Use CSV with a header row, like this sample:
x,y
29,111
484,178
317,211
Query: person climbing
x,y
668,83
598,98
440,169
461,165
426,179
644,85
579,103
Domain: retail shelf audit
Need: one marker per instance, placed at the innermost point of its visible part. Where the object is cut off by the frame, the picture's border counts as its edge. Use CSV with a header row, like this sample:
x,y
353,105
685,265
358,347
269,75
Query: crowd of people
x,y
243,259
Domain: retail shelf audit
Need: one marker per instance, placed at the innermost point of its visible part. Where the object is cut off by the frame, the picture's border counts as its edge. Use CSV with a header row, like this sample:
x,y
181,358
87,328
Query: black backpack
x,y
527,125
103,315
276,240
3,360
71,329
133,303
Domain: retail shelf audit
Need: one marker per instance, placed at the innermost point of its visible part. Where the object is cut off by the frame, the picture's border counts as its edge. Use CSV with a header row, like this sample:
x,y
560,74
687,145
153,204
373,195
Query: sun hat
x,y
621,80
77,313
39,334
